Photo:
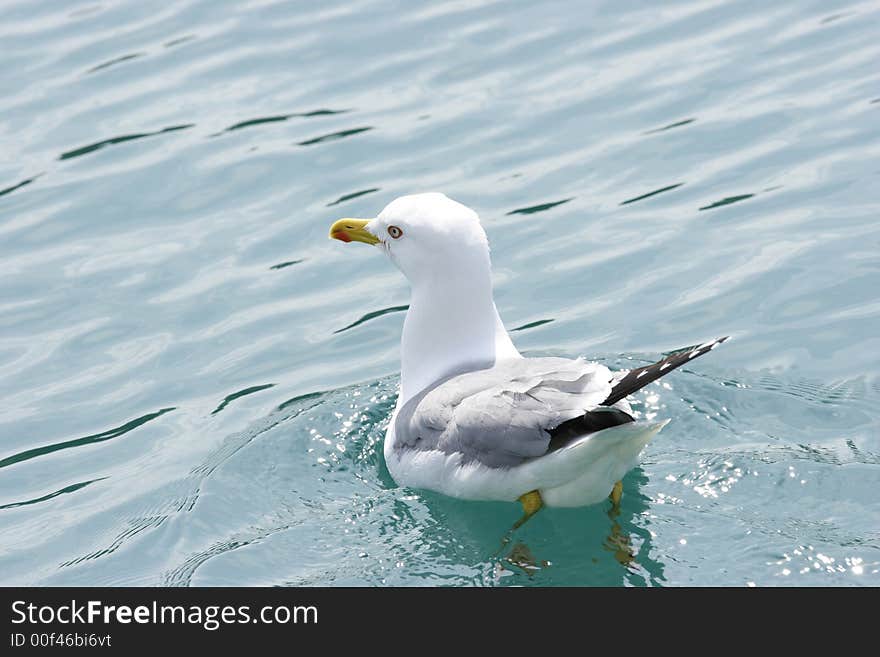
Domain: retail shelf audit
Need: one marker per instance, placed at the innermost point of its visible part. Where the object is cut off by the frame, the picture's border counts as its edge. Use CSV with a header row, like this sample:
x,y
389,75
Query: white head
x,y
439,245
425,235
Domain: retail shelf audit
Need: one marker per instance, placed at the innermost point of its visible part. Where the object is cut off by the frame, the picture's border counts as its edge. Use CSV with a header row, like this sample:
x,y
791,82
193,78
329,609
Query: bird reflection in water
x,y
639,567
522,559
619,542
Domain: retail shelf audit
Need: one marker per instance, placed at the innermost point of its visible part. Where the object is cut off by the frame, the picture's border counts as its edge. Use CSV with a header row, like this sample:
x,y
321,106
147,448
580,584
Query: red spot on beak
x,y
342,236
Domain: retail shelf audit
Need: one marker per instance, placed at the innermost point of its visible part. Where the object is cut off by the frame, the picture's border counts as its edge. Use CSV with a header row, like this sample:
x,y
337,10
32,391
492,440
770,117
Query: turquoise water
x,y
195,382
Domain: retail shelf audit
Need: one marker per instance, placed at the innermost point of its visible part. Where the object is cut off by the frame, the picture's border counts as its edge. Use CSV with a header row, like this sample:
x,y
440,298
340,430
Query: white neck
x,y
452,325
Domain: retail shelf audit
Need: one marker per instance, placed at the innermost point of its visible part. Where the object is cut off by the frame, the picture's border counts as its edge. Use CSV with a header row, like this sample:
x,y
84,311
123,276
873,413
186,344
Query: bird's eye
x,y
395,232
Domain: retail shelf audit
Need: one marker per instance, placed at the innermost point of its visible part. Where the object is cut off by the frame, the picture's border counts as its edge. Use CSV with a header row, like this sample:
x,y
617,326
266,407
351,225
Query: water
x,y
195,380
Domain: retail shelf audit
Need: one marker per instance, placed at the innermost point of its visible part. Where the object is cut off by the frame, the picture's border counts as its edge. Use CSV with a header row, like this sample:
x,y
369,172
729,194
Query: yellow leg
x,y
531,503
616,495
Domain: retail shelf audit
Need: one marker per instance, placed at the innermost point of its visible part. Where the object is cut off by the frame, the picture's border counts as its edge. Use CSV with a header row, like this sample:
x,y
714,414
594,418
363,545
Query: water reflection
x,y
607,547
352,195
531,325
653,193
67,489
90,148
113,62
85,440
373,315
241,393
279,118
24,182
677,124
287,263
727,200
542,207
333,136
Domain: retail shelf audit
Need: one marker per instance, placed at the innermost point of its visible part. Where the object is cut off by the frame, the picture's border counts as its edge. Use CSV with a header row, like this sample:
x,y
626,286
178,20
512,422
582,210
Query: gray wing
x,y
501,416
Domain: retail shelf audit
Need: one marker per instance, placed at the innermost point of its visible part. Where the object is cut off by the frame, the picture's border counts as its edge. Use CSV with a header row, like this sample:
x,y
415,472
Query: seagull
x,y
474,418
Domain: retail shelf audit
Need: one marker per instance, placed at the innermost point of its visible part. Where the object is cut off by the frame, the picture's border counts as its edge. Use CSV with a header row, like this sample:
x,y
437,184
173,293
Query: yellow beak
x,y
352,230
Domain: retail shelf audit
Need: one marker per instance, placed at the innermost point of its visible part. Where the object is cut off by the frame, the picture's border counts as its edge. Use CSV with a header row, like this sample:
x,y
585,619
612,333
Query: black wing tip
x,y
703,347
708,346
717,341
642,376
